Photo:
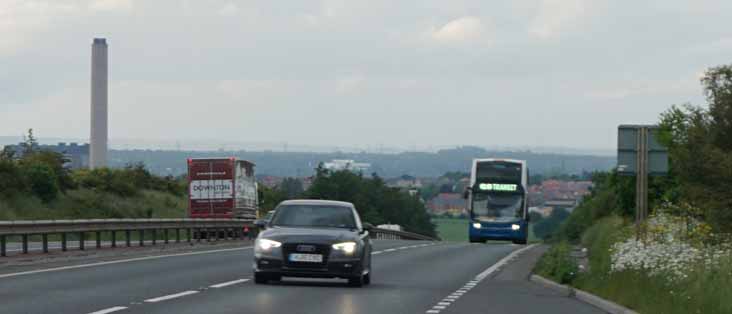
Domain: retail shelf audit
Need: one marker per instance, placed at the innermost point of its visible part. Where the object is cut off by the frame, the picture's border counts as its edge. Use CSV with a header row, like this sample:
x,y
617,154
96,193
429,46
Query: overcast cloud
x,y
360,73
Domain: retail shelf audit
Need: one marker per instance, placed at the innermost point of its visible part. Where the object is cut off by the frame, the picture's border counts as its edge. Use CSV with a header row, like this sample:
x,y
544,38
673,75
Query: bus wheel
x,y
521,241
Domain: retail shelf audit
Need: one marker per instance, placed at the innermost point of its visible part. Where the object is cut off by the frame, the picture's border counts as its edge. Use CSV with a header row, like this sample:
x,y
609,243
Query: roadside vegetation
x,y
680,259
36,185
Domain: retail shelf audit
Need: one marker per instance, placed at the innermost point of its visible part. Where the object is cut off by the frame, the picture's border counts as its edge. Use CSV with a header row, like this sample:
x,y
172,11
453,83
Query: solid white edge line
x,y
171,296
120,262
502,262
110,310
229,283
465,289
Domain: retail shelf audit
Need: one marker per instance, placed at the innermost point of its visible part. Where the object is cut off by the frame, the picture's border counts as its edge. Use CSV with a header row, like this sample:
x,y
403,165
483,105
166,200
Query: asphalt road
x,y
408,277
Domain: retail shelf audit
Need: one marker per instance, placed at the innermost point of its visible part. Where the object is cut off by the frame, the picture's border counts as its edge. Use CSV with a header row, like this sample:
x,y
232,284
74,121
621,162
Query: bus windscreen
x,y
497,206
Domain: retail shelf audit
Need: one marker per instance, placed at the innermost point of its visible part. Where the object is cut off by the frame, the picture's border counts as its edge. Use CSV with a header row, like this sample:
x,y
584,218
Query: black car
x,y
315,239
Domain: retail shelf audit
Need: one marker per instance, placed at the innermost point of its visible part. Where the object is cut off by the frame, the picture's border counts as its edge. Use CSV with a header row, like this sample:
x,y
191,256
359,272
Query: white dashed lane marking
x,y
171,296
110,310
229,283
453,297
440,305
146,258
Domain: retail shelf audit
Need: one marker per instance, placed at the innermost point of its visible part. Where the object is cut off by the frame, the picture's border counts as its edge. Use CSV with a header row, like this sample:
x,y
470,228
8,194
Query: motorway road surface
x,y
408,277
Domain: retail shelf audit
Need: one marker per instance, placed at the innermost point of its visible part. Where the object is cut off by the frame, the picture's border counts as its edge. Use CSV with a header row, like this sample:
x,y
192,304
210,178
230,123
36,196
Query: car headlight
x,y
476,225
345,247
515,227
267,244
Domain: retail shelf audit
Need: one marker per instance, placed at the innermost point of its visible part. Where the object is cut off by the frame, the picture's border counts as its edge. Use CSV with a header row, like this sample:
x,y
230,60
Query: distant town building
x,y
269,181
558,194
76,156
451,203
346,164
544,211
405,182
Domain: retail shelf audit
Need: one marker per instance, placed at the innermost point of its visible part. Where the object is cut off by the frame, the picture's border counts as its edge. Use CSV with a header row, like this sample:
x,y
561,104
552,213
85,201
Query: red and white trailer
x,y
221,188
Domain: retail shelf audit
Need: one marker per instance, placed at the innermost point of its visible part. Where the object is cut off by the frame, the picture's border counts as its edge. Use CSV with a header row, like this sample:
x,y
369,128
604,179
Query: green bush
x,y
557,264
12,181
42,180
115,181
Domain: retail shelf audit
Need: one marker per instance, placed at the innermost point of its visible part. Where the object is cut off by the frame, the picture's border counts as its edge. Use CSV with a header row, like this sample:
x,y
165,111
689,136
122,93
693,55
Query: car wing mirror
x,y
260,223
367,226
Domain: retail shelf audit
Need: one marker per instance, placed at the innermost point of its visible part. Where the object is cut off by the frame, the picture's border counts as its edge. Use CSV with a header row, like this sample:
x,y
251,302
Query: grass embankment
x,y
703,289
89,204
454,230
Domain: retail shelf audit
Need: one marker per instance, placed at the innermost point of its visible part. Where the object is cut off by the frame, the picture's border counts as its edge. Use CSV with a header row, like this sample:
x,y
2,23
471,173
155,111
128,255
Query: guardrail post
x,y
25,243
3,245
81,240
113,235
165,234
63,242
99,239
127,238
44,238
154,236
142,237
177,235
208,235
200,235
188,232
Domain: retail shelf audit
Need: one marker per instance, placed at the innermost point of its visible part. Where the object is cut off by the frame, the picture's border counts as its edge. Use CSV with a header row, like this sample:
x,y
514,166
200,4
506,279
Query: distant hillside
x,y
386,165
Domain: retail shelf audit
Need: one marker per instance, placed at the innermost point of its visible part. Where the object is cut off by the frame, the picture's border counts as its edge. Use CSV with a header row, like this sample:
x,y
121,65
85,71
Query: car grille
x,y
305,248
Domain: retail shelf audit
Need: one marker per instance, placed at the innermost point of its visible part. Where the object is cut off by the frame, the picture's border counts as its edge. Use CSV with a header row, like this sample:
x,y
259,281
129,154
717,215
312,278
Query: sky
x,y
548,73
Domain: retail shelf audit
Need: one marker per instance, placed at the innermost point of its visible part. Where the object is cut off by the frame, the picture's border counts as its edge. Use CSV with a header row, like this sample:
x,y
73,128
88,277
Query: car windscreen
x,y
317,216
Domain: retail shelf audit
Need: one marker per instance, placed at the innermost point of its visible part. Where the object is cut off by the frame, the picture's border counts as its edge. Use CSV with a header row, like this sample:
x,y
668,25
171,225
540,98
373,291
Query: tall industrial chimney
x,y
98,140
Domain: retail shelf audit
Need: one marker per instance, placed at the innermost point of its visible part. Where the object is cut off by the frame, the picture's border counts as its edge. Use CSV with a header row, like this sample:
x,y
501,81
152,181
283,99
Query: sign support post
x,y
640,155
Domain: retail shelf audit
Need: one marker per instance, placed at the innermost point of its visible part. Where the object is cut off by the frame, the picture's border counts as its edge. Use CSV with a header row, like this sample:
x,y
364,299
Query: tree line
x,y
376,202
699,181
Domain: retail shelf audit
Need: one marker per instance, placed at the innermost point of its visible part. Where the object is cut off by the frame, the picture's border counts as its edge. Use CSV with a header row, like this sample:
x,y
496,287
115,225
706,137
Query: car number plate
x,y
307,258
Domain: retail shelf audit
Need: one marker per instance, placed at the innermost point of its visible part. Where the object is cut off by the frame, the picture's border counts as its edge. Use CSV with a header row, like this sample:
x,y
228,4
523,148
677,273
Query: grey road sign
x,y
628,146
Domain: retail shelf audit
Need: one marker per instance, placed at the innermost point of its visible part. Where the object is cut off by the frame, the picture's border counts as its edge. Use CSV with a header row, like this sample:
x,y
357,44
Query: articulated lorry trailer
x,y
222,188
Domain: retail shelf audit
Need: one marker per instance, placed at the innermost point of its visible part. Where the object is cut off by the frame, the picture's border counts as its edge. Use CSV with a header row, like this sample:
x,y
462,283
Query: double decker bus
x,y
497,200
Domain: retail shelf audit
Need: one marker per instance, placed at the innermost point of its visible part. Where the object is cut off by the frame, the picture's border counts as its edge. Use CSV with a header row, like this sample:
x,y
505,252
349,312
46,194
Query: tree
x,y
376,202
717,84
55,162
8,153
12,180
269,198
700,145
30,144
291,187
42,181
